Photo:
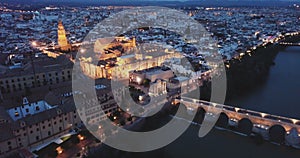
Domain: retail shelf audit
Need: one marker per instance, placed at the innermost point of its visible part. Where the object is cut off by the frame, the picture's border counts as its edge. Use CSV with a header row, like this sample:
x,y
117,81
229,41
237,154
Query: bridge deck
x,y
257,118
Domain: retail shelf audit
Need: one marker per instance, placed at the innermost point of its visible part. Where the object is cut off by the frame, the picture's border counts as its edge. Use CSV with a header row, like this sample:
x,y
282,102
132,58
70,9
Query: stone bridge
x,y
258,119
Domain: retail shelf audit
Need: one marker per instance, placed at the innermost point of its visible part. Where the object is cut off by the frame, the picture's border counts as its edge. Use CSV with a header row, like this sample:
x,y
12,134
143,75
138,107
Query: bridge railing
x,y
287,122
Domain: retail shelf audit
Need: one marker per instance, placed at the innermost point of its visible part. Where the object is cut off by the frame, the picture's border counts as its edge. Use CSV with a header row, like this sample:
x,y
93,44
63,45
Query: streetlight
x,y
82,50
34,43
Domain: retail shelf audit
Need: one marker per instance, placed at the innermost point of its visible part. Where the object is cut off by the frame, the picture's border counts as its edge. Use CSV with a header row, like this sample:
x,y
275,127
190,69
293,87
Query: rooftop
x,y
28,108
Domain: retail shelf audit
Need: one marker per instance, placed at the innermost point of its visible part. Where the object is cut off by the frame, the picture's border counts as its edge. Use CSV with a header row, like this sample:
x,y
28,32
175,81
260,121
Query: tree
x,y
74,139
146,82
52,153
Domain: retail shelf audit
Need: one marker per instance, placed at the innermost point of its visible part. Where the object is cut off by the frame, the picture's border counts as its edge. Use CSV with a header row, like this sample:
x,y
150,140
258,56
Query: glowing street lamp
x,y
82,50
138,80
80,137
34,43
59,150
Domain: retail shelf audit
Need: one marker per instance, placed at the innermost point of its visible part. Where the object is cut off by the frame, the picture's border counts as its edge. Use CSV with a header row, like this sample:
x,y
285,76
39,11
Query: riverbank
x,y
218,143
279,94
245,73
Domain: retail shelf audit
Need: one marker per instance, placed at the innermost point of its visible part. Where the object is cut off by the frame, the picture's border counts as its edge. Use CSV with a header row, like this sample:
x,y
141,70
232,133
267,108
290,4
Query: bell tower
x,y
62,38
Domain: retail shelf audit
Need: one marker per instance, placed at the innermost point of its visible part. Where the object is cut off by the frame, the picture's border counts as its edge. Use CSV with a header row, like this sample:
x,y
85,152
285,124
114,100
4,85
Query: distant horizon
x,y
158,2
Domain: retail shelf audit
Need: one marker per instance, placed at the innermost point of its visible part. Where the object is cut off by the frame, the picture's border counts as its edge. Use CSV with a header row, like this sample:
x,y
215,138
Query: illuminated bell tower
x,y
62,38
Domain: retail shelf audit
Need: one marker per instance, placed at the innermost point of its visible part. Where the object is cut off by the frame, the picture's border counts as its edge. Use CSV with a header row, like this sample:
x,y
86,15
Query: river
x,y
280,94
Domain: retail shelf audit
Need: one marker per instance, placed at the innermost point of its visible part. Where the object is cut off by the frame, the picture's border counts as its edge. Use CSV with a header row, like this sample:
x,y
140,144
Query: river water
x,y
280,94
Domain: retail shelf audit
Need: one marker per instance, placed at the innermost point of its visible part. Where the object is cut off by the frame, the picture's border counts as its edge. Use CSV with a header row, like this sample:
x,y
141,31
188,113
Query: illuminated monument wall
x,y
62,38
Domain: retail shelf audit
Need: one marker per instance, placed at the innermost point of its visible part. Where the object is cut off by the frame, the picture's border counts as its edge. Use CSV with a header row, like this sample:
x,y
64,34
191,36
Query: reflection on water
x,y
280,94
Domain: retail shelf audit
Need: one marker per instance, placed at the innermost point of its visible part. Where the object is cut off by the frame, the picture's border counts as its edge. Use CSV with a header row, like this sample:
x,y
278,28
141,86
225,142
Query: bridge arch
x,y
297,123
245,126
223,120
184,112
172,109
277,134
200,115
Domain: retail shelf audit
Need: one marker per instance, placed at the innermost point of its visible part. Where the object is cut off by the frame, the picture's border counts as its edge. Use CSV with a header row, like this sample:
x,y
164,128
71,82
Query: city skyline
x,y
117,80
166,2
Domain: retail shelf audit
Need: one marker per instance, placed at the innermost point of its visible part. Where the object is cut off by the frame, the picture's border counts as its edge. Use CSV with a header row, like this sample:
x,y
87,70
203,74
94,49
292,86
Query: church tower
x,y
62,38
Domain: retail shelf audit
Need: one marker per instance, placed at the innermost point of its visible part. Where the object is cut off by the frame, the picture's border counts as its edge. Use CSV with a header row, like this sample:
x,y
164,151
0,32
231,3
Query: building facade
x,y
32,130
62,38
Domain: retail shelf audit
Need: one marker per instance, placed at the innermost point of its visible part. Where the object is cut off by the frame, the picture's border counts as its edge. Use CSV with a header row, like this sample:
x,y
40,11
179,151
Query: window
x,y
49,133
37,137
8,143
60,128
37,129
